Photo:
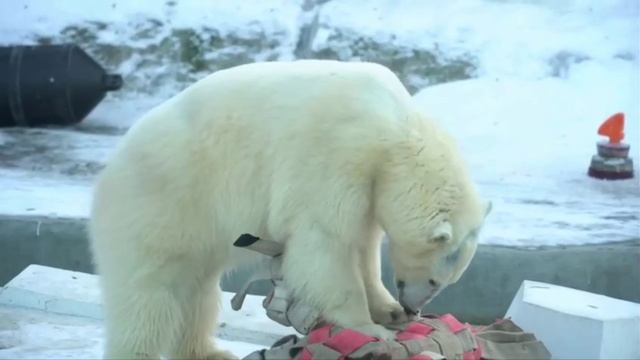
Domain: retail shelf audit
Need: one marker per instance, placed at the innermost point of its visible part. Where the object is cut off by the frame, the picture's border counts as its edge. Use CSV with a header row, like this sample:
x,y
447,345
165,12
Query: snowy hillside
x,y
170,43
522,85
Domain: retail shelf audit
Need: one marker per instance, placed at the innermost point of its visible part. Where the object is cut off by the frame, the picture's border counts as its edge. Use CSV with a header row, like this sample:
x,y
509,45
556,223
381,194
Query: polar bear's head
x,y
431,212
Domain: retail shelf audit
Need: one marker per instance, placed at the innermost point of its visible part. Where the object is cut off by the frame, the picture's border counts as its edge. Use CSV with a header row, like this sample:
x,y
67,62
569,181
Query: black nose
x,y
433,283
400,284
409,311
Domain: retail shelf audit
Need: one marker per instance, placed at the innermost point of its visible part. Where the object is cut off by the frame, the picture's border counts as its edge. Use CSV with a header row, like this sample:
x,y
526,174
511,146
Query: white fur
x,y
321,155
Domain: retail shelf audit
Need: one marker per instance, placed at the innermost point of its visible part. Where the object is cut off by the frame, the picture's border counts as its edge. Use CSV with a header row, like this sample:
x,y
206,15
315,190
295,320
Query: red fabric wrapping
x,y
473,355
420,357
452,323
347,341
320,334
414,331
306,355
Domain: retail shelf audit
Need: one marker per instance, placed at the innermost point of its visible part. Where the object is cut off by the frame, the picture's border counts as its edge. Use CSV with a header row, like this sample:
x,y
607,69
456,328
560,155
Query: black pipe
x,y
50,85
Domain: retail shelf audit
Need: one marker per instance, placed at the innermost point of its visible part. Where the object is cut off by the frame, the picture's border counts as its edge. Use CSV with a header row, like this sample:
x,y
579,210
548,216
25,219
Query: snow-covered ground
x,y
33,334
547,74
43,315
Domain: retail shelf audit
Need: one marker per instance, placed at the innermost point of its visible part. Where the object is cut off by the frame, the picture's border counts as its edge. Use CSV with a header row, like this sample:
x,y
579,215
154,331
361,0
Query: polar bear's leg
x,y
200,311
325,272
139,321
383,307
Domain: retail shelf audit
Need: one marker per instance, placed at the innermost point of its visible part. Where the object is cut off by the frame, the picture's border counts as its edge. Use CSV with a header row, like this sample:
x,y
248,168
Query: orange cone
x,y
613,128
612,161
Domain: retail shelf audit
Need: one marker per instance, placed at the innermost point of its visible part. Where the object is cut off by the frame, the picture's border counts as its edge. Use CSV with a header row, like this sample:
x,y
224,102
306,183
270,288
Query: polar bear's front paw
x,y
220,355
377,331
389,313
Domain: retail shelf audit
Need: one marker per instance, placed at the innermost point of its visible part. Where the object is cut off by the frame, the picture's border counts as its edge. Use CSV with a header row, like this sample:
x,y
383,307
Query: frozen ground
x,y
548,73
48,313
34,334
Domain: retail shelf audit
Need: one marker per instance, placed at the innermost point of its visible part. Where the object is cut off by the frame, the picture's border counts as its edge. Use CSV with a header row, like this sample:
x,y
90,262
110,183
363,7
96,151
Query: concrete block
x,y
54,290
575,324
78,294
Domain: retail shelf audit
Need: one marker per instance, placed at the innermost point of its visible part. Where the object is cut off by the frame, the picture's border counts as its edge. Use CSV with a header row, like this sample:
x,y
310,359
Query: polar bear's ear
x,y
488,206
442,232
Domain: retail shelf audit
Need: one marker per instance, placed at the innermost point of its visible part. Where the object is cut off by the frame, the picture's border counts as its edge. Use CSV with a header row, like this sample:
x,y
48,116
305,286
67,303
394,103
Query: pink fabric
x,y
470,355
347,341
421,357
405,335
474,355
452,323
414,331
320,334
306,355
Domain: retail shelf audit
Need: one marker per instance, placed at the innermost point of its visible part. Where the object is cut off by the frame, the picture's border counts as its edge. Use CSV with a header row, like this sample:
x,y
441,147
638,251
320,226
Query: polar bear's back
x,y
306,92
270,102
273,132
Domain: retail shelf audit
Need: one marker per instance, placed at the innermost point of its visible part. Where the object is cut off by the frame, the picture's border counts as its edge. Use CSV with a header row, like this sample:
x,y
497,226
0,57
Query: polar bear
x,y
321,155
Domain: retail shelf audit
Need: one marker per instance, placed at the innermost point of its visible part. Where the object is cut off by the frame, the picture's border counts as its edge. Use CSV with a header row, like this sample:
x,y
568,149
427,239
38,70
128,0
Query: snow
x,y
47,312
548,73
25,194
511,39
32,334
73,293
46,17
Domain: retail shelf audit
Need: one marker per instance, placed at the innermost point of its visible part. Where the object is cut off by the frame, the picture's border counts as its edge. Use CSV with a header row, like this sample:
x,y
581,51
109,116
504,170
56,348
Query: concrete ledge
x,y
482,295
575,324
73,293
54,290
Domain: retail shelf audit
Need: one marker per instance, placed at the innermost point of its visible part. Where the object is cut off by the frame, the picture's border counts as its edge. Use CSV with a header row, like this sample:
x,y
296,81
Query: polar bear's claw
x,y
389,314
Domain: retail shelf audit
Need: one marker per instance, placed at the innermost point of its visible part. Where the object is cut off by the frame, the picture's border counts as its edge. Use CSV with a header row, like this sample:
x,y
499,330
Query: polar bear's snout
x,y
414,295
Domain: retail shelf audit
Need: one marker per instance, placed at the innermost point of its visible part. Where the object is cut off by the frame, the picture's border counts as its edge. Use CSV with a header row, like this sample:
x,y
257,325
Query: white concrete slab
x,y
576,324
54,290
72,293
35,334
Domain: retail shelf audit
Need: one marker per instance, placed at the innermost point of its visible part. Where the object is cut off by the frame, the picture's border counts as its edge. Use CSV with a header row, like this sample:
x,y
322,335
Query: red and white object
x,y
612,161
